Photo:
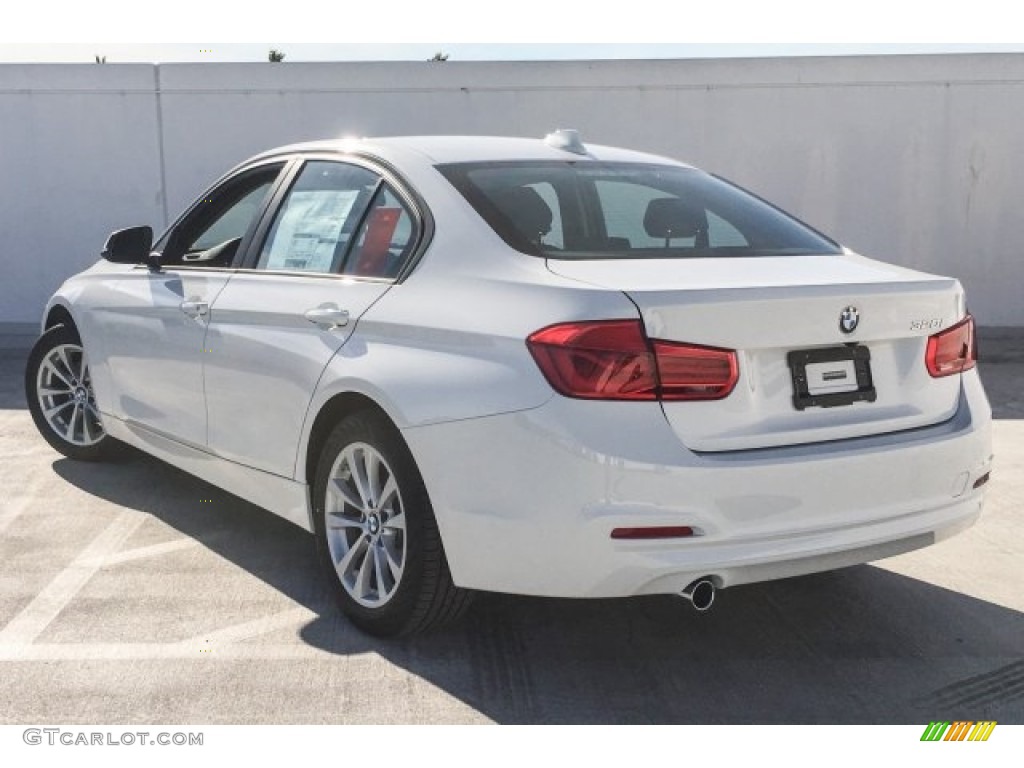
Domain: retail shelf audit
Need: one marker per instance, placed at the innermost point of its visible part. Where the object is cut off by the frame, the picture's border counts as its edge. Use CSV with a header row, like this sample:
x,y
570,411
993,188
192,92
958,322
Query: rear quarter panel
x,y
450,343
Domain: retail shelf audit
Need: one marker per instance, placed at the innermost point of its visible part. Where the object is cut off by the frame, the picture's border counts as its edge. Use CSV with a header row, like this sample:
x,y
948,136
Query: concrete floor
x,y
133,593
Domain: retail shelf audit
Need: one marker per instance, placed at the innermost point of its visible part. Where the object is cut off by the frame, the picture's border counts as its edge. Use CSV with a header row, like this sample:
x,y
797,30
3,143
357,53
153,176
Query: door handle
x,y
327,317
195,308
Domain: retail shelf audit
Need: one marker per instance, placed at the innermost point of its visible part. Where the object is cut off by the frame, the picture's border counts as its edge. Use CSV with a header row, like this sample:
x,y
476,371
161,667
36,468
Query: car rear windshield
x,y
592,210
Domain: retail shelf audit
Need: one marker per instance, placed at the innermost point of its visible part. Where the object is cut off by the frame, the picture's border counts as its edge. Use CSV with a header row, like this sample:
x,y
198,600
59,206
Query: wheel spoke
x,y
344,566
50,392
50,413
382,588
372,464
97,422
338,521
86,435
396,523
365,573
358,469
63,355
70,432
82,370
49,366
340,488
393,563
388,492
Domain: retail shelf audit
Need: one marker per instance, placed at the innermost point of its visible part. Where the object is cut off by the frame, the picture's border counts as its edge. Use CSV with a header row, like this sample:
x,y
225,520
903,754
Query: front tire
x,y
376,533
58,387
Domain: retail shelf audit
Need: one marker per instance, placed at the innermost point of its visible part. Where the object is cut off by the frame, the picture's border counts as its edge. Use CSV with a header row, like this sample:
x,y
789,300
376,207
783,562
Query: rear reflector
x,y
981,480
614,360
953,350
660,532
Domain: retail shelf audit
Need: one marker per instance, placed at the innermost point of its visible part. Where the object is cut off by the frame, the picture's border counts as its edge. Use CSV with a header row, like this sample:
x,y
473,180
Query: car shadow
x,y
861,645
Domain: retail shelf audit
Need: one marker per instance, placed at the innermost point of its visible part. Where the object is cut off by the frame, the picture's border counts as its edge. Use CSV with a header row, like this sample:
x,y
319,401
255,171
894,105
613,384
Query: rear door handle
x,y
327,317
195,308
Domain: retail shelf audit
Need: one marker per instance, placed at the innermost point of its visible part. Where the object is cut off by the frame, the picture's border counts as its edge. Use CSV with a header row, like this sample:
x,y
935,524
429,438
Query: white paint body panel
x,y
527,501
264,360
526,484
154,351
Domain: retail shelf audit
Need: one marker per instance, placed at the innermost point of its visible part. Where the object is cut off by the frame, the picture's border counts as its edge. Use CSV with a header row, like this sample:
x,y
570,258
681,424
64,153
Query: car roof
x,y
438,150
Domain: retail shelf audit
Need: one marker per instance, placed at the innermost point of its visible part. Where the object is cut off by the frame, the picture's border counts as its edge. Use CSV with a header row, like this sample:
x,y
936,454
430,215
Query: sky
x,y
330,30
456,51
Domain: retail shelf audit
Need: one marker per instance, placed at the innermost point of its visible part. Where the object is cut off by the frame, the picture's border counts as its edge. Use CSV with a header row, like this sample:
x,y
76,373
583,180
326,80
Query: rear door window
x,y
313,228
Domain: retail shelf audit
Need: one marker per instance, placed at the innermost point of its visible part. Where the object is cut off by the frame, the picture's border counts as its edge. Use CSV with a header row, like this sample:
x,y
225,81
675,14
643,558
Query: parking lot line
x,y
13,509
157,651
151,551
33,620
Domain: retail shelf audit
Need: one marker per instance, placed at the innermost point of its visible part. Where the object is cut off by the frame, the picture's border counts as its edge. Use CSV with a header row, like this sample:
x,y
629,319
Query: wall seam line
x,y
160,142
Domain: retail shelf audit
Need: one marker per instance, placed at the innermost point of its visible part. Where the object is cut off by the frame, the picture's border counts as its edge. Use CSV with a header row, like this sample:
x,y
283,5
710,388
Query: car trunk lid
x,y
783,315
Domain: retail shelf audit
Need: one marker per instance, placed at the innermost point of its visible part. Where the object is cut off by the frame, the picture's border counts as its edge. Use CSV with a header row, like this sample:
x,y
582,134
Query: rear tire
x,y
58,387
376,533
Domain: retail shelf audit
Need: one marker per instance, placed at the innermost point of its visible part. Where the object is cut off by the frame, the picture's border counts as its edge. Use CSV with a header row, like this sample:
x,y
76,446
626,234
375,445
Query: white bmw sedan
x,y
525,366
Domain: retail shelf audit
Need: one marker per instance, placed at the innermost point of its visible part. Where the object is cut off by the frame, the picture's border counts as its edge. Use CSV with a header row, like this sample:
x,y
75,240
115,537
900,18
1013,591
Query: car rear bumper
x,y
526,501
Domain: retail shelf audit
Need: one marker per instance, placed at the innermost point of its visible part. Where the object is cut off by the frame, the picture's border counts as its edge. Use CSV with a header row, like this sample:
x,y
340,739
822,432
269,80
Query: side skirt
x,y
282,496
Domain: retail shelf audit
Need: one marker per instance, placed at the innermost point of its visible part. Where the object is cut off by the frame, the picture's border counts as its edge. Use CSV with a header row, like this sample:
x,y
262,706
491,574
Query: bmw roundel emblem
x,y
849,319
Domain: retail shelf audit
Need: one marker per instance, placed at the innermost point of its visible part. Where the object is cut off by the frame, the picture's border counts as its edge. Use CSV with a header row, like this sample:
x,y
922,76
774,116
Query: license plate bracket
x,y
820,389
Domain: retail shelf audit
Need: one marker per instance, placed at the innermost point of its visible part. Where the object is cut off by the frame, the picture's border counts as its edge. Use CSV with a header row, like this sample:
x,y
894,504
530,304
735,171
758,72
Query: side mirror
x,y
129,246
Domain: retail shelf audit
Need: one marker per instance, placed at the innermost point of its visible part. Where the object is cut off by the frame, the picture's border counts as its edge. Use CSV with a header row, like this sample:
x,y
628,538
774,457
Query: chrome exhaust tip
x,y
700,594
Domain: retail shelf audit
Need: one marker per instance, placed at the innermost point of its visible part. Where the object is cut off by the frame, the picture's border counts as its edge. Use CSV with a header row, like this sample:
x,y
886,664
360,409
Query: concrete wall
x,y
913,159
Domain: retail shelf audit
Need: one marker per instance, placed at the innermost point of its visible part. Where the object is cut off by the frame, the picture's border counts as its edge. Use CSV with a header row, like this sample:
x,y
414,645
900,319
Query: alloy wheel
x,y
365,525
66,398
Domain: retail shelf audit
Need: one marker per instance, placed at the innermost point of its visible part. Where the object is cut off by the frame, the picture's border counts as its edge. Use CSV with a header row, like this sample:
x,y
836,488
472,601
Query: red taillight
x,y
604,360
613,360
690,372
953,350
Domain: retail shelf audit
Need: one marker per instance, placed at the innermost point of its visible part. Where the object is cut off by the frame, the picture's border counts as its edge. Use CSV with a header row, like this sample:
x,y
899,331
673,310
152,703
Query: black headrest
x,y
671,217
526,209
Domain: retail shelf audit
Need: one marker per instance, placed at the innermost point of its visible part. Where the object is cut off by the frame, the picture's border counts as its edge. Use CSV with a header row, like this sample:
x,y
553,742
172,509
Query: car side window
x,y
210,234
385,240
313,228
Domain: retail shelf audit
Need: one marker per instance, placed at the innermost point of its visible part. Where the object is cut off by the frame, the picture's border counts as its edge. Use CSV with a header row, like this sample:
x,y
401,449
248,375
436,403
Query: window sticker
x,y
307,233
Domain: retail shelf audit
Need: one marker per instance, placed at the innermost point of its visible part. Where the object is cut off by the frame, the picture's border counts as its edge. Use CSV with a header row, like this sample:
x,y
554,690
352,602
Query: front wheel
x,y
58,387
376,532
